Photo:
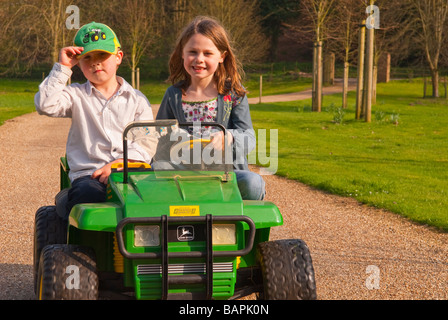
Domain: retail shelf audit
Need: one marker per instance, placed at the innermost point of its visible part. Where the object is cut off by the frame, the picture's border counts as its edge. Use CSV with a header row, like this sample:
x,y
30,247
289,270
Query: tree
x,y
318,11
138,29
240,19
274,15
35,31
432,16
345,22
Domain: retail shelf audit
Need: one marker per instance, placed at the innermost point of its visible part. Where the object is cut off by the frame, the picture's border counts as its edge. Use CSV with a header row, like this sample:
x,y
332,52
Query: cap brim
x,y
111,50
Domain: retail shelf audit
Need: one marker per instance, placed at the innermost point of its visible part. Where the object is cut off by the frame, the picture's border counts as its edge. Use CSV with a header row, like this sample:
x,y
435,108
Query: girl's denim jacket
x,y
233,113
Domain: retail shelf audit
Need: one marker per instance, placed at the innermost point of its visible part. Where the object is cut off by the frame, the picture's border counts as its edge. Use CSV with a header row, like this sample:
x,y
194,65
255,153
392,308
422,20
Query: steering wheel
x,y
190,143
188,146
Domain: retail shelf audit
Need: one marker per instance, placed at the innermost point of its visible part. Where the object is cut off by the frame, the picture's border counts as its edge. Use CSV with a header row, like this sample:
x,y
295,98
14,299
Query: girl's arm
x,y
166,109
240,125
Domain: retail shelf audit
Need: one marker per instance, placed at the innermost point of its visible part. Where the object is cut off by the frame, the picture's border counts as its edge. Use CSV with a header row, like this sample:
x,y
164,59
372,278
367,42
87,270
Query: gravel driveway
x,y
358,252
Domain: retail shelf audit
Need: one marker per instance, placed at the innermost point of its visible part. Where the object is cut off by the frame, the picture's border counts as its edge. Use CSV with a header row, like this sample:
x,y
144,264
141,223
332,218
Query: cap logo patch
x,y
94,35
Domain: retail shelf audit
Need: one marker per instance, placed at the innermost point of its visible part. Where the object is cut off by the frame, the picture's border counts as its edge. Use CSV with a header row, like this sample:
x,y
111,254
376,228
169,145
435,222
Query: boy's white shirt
x,y
96,134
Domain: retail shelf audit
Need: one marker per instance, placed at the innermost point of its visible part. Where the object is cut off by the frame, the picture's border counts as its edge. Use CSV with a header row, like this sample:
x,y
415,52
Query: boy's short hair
x,y
96,37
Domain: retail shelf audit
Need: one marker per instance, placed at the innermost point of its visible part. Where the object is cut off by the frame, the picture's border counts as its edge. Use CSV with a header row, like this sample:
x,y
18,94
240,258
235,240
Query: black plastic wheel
x,y
67,272
287,270
48,229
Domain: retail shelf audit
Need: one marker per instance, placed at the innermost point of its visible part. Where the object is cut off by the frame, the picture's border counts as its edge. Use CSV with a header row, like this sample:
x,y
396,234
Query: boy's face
x,y
100,67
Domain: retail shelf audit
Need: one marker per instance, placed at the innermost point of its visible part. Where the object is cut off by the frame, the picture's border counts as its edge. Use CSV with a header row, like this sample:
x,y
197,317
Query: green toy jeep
x,y
175,229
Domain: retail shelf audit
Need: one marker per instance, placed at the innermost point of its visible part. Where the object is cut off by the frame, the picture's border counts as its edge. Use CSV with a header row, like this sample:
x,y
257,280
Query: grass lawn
x,y
16,98
276,84
154,90
400,167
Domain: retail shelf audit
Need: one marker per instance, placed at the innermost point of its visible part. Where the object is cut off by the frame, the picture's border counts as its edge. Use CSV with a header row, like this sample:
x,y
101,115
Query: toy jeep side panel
x,y
265,214
96,216
64,170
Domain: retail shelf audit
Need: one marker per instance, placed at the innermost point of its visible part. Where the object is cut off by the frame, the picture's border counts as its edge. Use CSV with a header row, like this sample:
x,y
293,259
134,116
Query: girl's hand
x,y
67,56
218,140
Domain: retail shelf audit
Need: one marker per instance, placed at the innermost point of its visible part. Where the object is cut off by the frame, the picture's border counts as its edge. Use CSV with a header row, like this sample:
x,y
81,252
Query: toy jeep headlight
x,y
224,234
146,236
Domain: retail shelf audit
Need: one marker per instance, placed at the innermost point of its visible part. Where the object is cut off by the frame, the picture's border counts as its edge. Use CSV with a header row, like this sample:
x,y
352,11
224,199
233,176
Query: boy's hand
x,y
67,56
102,174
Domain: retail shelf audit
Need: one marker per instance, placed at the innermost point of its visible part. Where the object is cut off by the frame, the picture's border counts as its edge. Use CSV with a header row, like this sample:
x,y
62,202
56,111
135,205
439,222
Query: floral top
x,y
203,111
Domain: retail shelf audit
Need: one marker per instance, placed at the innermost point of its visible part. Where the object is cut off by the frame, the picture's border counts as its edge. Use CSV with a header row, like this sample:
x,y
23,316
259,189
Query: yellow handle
x,y
138,165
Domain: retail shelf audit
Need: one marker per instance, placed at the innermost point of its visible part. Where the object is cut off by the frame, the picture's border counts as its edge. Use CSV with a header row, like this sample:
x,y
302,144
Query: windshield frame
x,y
228,167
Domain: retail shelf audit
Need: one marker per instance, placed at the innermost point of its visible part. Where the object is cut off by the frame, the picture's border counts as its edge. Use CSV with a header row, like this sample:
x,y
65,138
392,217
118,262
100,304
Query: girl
x,y
207,87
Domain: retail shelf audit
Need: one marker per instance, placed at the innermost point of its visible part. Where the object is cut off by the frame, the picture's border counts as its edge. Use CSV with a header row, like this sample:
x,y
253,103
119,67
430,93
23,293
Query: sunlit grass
x,y
399,161
402,167
16,98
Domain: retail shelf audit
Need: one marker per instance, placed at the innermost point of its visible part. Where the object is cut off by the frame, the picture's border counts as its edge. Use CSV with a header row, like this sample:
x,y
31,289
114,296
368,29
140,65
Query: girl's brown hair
x,y
228,74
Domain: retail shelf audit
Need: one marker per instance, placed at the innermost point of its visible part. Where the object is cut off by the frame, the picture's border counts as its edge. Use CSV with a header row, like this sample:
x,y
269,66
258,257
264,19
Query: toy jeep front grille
x,y
184,268
209,273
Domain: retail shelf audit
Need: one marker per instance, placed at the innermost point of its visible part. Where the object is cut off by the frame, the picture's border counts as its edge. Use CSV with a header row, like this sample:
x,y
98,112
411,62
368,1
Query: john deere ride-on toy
x,y
176,228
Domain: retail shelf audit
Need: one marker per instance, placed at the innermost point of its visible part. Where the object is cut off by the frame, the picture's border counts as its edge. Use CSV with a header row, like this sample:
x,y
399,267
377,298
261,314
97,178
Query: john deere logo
x,y
185,233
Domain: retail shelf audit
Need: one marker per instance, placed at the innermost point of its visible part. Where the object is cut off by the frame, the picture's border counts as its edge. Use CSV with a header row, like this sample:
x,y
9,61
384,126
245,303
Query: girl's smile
x,y
201,58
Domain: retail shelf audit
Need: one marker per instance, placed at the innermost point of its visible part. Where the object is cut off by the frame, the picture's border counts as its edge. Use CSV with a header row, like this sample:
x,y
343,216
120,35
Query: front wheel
x,y
67,272
49,228
287,270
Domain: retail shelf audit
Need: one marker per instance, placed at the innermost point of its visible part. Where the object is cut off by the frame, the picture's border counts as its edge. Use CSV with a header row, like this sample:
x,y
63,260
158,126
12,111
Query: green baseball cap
x,y
96,37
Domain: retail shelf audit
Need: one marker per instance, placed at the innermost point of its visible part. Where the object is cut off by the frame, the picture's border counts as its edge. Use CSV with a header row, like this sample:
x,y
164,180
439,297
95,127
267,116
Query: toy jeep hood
x,y
182,176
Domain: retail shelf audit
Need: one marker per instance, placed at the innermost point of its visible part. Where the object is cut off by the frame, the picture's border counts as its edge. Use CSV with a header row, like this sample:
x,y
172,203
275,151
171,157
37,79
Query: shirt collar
x,y
124,86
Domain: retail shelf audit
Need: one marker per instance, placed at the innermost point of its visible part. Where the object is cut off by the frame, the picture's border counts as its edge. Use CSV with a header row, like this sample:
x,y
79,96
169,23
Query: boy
x,y
100,110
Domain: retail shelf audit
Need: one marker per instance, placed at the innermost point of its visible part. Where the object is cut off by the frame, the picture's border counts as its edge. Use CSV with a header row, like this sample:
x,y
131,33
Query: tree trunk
x,y
435,83
369,74
360,85
317,77
345,87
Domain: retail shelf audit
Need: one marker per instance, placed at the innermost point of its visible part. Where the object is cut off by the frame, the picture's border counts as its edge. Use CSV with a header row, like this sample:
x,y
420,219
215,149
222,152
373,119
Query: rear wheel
x,y
48,229
67,272
287,270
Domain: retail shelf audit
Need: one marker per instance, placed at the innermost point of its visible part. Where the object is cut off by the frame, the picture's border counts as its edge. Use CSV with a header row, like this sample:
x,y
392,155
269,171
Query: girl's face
x,y
201,58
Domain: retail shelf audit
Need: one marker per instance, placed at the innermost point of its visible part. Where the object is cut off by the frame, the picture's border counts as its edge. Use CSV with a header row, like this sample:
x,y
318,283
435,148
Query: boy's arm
x,y
52,99
135,152
144,113
144,110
